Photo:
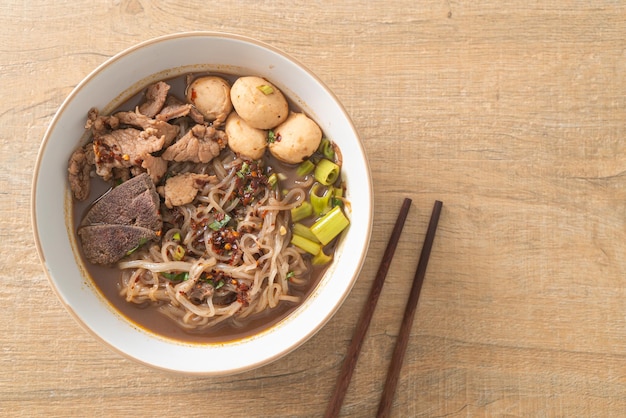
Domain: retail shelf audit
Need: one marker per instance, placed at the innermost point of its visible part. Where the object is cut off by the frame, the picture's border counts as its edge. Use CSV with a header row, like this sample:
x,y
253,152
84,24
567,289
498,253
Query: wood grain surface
x,y
513,113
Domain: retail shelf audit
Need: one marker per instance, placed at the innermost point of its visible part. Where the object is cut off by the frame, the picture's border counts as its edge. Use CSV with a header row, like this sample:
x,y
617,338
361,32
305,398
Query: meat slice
x,y
78,174
155,99
123,148
155,166
106,244
134,202
158,128
174,108
183,188
199,145
98,123
195,115
126,217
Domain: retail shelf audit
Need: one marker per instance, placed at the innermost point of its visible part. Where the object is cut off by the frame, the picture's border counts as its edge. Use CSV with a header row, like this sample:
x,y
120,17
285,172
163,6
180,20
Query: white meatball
x,y
296,139
211,96
259,102
243,139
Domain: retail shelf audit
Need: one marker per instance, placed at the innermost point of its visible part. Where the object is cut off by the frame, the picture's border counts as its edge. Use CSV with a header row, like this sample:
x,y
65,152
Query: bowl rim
x,y
85,81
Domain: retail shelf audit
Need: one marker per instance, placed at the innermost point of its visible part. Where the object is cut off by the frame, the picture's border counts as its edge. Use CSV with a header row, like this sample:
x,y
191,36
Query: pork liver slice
x,y
134,202
106,244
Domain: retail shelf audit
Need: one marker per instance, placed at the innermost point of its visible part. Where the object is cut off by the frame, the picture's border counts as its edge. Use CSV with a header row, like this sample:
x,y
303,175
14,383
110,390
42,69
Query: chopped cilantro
x,y
176,277
142,241
244,171
271,137
217,225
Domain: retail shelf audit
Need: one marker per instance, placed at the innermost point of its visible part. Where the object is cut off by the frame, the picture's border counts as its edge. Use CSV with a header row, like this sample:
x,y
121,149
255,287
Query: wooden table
x,y
512,113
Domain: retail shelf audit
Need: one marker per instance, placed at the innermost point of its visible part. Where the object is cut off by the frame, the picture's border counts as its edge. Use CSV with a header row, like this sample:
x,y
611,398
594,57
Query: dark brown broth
x,y
147,317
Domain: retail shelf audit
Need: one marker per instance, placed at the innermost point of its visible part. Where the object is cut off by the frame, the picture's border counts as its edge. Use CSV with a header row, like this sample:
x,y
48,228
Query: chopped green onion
x,y
320,198
244,171
290,274
337,195
305,168
142,241
176,236
219,284
330,225
179,253
306,244
271,137
326,149
300,212
217,225
321,258
176,277
272,180
265,89
304,231
326,172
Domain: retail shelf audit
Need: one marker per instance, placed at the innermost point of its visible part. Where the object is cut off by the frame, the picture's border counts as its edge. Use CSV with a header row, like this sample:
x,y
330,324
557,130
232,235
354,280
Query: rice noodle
x,y
209,284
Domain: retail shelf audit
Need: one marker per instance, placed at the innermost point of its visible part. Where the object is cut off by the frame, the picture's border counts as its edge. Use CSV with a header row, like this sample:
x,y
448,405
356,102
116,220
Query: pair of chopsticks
x,y
343,380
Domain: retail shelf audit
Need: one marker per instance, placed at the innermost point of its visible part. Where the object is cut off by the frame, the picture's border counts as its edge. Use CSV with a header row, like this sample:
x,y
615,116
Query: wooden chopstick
x,y
393,373
349,363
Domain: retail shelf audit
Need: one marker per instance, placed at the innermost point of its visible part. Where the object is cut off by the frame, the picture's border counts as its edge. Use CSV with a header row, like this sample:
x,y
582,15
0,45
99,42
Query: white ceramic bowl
x,y
115,81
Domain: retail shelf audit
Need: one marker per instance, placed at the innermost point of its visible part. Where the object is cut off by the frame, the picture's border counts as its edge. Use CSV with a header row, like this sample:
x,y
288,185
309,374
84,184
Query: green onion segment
x,y
305,168
320,197
324,203
326,172
306,244
304,231
330,225
300,212
321,258
326,149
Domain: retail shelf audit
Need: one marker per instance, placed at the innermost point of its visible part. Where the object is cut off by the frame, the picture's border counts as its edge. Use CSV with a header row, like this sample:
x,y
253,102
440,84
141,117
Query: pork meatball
x,y
211,96
243,139
259,102
296,139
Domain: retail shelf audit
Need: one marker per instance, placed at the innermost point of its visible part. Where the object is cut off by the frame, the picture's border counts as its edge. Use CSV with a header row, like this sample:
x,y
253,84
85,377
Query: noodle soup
x,y
223,220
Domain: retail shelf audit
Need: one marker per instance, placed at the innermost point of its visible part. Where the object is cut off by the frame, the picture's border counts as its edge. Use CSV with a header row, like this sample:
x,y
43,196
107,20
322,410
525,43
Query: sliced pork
x,y
158,128
183,188
155,166
173,109
79,170
155,99
199,145
123,148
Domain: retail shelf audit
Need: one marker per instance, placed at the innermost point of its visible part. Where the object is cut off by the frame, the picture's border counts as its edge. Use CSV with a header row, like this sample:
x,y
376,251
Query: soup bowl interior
x,y
106,88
